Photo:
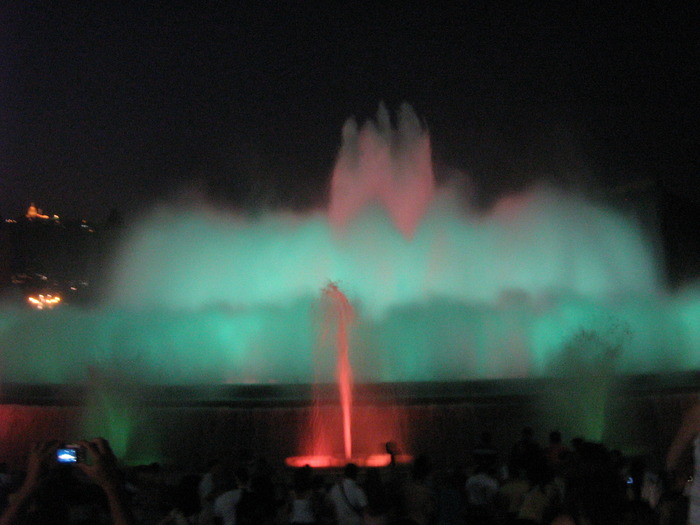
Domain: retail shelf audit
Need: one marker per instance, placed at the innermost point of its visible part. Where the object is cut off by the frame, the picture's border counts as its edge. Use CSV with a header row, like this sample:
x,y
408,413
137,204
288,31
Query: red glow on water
x,y
314,461
370,461
22,425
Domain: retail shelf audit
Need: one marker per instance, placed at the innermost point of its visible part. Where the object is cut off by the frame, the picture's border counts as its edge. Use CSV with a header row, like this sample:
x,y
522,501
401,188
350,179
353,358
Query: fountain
x,y
203,296
439,293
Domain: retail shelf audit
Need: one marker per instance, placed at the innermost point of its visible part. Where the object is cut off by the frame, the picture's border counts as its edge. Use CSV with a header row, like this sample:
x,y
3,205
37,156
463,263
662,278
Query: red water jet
x,y
345,315
339,316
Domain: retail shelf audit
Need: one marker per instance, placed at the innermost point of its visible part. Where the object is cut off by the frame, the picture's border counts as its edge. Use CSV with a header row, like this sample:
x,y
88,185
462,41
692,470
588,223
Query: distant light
x,y
44,302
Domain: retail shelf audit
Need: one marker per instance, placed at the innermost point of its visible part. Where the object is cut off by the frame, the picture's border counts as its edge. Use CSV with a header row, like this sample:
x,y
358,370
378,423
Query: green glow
x,y
549,245
433,340
496,295
114,410
586,365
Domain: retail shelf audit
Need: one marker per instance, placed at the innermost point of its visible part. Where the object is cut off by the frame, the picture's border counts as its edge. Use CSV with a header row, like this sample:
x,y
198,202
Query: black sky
x,y
119,104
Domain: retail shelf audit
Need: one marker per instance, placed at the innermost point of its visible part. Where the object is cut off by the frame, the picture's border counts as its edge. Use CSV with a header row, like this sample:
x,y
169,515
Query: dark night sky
x,y
118,105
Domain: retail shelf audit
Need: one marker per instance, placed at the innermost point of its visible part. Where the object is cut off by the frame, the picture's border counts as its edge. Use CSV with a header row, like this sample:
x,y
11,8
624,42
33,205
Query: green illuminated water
x,y
466,297
434,340
204,296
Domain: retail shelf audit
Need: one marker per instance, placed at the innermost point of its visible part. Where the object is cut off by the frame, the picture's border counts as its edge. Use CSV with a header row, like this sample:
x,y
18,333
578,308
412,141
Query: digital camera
x,y
70,454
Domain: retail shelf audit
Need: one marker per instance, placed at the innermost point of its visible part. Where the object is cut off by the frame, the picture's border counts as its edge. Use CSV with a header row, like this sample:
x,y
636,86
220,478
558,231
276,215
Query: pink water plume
x,y
387,165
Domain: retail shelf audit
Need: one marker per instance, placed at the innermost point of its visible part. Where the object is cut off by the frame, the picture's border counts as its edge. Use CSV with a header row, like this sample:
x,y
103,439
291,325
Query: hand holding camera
x,y
103,468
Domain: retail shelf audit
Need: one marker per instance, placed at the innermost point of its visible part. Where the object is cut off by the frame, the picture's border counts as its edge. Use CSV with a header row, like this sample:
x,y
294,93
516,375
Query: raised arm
x,y
690,428
104,471
39,457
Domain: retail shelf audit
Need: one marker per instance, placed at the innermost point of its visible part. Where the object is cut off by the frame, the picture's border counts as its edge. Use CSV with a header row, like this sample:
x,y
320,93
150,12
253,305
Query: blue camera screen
x,y
67,455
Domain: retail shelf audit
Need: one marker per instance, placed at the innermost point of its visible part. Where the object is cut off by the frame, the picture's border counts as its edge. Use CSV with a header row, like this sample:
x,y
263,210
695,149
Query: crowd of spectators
x,y
580,482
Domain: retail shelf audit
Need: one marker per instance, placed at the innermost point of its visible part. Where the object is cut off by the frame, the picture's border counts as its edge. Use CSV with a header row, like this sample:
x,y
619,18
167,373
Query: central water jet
x,y
338,318
344,315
